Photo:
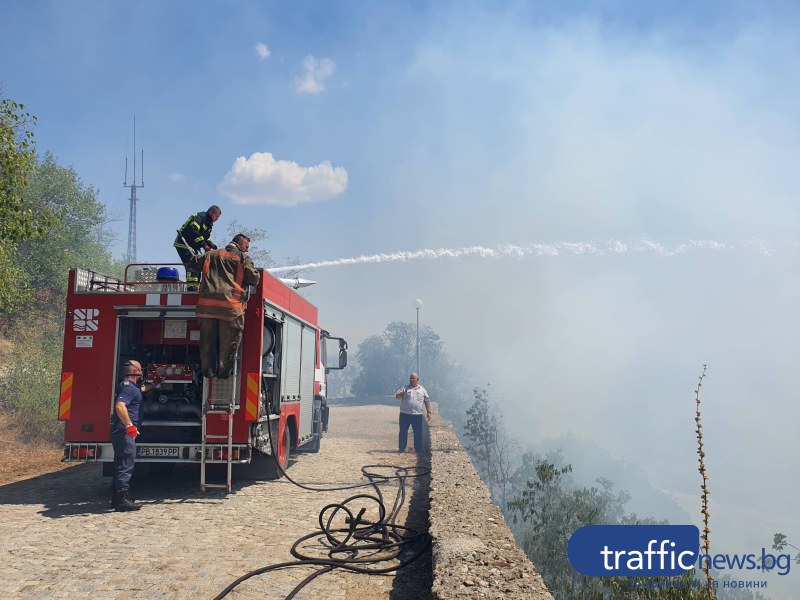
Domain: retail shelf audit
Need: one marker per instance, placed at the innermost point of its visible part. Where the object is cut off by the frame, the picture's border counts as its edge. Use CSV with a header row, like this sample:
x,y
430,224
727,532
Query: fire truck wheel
x,y
283,449
314,445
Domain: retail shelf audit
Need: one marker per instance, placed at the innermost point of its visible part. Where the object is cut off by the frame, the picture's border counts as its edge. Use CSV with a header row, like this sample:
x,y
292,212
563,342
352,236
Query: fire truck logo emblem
x,y
85,319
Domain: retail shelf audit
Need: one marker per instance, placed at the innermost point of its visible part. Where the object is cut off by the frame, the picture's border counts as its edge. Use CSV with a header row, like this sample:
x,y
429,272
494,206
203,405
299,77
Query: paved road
x,y
58,539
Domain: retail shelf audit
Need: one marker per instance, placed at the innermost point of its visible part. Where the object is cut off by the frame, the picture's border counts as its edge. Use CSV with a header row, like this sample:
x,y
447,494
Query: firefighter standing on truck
x,y
195,235
125,422
220,307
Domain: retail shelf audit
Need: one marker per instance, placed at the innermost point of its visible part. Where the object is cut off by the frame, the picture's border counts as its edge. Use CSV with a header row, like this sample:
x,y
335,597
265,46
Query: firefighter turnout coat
x,y
226,272
196,231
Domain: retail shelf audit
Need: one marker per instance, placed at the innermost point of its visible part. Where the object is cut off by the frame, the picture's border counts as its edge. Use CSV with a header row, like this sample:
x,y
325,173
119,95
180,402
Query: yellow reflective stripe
x,y
66,382
251,405
65,401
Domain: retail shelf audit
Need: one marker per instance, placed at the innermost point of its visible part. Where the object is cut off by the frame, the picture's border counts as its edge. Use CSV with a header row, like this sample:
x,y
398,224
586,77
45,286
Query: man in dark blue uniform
x,y
125,424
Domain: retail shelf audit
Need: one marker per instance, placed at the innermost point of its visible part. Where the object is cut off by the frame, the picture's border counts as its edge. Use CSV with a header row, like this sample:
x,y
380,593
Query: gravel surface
x,y
58,538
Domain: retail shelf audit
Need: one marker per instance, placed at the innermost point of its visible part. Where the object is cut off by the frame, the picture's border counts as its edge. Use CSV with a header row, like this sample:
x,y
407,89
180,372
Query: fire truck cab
x,y
273,404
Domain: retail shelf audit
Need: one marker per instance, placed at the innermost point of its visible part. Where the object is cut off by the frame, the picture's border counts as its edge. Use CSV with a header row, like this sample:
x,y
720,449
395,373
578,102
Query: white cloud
x,y
261,179
177,177
262,51
316,72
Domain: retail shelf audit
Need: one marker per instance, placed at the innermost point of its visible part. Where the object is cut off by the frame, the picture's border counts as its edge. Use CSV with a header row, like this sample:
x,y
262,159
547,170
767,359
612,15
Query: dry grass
x,y
5,354
5,347
20,459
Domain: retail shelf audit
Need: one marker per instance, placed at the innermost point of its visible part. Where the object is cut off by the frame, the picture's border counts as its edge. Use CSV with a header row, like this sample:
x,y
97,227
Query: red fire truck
x,y
274,403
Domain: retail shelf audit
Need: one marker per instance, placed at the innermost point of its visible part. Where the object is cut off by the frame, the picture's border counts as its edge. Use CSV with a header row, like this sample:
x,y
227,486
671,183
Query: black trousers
x,y
186,256
415,422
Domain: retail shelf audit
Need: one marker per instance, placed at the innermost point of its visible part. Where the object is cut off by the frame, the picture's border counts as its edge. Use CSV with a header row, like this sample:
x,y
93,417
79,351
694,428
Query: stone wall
x,y
474,553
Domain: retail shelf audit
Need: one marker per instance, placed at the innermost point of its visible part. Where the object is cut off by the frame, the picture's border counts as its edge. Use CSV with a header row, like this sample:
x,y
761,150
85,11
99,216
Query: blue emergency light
x,y
167,274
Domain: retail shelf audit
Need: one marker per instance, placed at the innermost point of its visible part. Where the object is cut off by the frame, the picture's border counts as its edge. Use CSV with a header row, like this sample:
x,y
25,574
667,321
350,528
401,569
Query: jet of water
x,y
554,249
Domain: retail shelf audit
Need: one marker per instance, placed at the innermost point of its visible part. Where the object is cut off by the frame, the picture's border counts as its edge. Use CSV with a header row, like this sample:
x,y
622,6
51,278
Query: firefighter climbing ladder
x,y
219,398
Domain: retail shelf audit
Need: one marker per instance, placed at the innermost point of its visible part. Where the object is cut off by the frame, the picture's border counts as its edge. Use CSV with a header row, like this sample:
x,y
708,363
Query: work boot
x,y
115,496
123,502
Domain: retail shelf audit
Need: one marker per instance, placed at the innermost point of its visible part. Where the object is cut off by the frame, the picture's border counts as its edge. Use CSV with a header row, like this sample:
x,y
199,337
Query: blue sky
x,y
358,128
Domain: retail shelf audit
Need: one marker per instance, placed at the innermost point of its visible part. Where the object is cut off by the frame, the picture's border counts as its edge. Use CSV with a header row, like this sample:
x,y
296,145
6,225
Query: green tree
x,y
261,256
19,219
547,508
32,296
384,362
480,429
10,276
387,359
490,446
780,542
77,237
551,508
549,511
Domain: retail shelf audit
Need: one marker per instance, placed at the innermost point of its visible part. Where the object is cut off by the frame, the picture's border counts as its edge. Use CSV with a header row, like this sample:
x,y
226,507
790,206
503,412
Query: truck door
x,y
307,364
297,373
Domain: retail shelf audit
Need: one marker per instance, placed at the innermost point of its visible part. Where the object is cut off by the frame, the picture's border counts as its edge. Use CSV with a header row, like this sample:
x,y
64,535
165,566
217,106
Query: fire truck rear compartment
x,y
168,350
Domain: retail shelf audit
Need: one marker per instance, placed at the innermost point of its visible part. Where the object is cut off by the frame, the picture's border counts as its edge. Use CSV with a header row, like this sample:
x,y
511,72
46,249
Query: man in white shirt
x,y
414,402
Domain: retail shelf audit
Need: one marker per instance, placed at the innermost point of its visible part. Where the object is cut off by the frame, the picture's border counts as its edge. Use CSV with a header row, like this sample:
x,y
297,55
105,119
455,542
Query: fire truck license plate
x,y
145,452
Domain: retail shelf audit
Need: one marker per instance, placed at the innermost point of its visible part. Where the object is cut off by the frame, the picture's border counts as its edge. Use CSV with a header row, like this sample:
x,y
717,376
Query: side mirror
x,y
329,357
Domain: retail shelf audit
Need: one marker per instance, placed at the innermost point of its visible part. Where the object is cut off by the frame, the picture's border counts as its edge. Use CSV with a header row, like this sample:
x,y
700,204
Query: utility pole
x,y
418,305
134,186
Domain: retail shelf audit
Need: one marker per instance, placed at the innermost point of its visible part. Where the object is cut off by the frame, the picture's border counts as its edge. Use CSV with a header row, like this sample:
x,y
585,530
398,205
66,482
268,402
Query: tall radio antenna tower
x,y
134,186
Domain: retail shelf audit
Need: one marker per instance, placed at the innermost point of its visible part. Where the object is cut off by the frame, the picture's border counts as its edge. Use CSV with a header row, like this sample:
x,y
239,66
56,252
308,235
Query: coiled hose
x,y
347,539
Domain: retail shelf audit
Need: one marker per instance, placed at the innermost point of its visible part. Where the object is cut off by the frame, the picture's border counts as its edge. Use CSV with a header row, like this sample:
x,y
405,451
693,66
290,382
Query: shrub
x,y
29,388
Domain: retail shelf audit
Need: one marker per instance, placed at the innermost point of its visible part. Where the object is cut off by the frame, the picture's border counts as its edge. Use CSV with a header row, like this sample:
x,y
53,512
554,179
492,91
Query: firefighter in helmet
x,y
195,235
125,422
220,307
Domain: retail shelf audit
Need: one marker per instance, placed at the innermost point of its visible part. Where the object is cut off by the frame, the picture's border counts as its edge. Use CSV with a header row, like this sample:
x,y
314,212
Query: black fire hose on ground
x,y
361,545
